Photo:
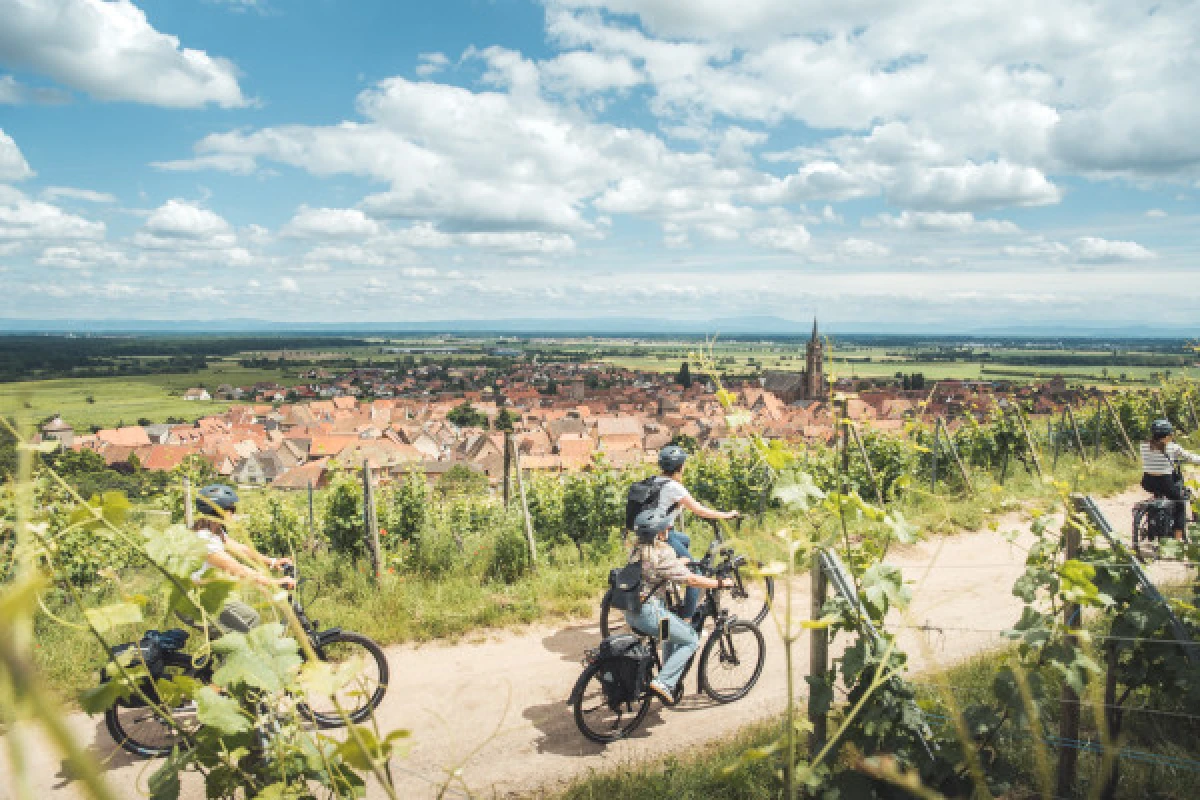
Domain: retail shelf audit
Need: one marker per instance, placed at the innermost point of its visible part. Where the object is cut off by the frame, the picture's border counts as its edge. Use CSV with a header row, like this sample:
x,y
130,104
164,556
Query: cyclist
x,y
660,566
216,505
1161,470
672,498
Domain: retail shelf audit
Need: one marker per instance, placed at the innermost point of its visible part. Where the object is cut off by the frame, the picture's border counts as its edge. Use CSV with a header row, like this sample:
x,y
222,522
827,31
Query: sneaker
x,y
662,693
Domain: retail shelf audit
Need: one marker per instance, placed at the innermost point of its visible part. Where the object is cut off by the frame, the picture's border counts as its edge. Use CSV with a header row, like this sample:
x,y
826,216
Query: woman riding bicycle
x,y
1162,475
660,566
672,498
216,505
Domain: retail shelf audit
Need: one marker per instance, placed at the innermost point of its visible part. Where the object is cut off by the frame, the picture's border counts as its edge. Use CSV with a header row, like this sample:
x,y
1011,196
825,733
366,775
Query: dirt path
x,y
496,707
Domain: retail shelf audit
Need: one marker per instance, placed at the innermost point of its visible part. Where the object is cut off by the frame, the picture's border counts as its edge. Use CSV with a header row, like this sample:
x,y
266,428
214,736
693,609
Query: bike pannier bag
x,y
150,656
626,587
625,669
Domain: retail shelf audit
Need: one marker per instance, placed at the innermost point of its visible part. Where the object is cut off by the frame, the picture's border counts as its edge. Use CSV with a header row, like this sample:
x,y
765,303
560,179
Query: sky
x,y
949,165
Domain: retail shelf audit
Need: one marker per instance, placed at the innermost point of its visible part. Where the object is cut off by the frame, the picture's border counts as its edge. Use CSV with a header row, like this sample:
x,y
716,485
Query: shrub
x,y
342,519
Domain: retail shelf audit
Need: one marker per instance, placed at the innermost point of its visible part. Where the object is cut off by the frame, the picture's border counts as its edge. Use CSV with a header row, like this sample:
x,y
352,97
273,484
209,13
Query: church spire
x,y
814,335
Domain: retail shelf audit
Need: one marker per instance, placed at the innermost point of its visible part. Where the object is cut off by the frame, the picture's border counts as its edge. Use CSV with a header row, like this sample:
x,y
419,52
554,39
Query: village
x,y
563,417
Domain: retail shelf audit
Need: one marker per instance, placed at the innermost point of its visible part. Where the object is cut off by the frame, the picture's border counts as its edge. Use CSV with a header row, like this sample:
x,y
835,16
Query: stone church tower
x,y
815,387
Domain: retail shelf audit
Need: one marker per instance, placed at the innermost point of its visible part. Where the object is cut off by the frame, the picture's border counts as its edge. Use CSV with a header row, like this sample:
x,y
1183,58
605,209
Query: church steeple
x,y
814,335
814,373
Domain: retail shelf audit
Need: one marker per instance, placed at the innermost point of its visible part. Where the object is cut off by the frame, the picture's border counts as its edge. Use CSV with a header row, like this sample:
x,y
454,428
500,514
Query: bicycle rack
x,y
1088,506
836,571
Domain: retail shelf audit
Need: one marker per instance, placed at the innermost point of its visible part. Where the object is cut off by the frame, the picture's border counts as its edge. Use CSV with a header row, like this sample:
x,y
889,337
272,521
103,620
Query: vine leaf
x,y
220,711
177,550
101,698
164,783
107,618
263,658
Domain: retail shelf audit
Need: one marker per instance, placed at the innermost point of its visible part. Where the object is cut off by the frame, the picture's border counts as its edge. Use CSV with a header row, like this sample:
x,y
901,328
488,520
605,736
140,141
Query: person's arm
x,y
703,582
230,565
700,510
676,570
249,553
1183,455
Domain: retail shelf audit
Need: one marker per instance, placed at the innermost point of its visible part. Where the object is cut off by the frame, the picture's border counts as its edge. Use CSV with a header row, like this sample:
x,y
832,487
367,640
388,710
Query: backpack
x,y
150,657
626,669
644,495
626,587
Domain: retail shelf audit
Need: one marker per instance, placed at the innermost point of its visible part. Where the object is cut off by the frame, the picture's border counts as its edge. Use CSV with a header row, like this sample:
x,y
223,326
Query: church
x,y
794,387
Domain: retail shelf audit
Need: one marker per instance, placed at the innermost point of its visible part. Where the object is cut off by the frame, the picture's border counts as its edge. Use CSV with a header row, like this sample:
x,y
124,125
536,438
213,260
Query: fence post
x,y
369,522
508,448
516,455
188,519
1068,727
1057,439
962,469
818,651
845,424
934,456
1037,462
1112,720
1099,420
862,451
1070,412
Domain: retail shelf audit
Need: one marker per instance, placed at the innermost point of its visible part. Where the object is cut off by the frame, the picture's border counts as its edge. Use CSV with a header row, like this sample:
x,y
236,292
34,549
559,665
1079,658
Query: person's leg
x,y
682,641
646,620
681,543
1174,490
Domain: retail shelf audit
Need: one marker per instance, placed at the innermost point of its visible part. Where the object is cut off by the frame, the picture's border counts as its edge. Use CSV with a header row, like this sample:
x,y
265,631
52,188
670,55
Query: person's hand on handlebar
x,y
279,563
731,515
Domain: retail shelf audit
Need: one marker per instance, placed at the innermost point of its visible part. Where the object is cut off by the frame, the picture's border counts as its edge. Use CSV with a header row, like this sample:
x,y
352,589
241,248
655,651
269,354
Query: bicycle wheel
x,y
751,599
143,731
362,694
732,661
596,719
612,620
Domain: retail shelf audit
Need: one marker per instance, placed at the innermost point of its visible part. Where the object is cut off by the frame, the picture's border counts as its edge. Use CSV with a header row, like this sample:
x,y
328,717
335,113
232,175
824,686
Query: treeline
x,y
25,357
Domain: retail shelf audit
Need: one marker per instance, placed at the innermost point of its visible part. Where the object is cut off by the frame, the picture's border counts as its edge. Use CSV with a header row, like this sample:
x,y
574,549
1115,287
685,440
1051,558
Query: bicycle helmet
x,y
1161,428
671,458
216,500
649,524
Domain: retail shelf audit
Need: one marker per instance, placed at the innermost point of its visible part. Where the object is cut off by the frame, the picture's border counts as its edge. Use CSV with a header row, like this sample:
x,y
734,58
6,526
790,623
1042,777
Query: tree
x,y
686,442
505,420
684,378
466,415
918,380
462,480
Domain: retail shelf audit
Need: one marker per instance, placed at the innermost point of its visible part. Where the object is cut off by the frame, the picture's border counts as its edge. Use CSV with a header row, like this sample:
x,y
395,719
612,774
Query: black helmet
x,y
1161,428
671,458
649,524
216,500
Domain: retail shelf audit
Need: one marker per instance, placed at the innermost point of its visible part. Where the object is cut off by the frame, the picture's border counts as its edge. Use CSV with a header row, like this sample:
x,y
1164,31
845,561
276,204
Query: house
x,y
315,473
619,433
258,468
129,436
197,394
58,431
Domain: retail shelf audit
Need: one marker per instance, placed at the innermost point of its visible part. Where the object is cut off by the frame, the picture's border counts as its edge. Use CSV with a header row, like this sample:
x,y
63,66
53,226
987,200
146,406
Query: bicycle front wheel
x,y
365,688
732,661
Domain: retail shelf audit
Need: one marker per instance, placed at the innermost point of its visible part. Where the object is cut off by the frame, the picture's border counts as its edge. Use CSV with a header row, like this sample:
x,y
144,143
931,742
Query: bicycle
x,y
140,729
749,600
611,696
1154,520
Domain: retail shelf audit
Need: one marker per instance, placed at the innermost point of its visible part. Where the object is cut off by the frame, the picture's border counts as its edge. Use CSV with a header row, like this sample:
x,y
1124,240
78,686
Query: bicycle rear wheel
x,y
594,715
144,731
732,661
365,690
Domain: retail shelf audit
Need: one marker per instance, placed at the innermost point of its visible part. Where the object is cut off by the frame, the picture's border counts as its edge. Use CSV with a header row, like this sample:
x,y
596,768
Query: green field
x,y
125,400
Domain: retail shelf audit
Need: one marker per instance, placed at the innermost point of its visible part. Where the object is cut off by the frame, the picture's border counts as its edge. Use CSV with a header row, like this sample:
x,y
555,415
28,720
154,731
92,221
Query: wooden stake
x,y
962,469
818,650
1192,410
508,448
312,526
1121,428
188,518
1068,728
862,450
516,455
369,521
1098,420
1075,431
1037,462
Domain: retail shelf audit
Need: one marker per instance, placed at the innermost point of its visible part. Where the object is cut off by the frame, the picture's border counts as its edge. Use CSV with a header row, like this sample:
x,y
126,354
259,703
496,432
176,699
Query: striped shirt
x,y
1158,462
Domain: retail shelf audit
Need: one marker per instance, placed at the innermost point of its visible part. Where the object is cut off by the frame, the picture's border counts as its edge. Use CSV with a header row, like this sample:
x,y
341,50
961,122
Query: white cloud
x,y
288,285
14,93
1038,249
330,222
1156,213
1096,250
110,51
431,64
225,162
82,255
22,219
862,249
992,185
86,195
794,239
181,220
13,166
941,221
585,71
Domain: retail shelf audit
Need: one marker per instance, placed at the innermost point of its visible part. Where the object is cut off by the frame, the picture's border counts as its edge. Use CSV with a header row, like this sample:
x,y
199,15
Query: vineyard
x,y
454,557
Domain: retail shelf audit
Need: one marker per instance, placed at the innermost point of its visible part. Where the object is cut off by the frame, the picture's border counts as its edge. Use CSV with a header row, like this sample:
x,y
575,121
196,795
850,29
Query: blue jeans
x,y
681,543
682,639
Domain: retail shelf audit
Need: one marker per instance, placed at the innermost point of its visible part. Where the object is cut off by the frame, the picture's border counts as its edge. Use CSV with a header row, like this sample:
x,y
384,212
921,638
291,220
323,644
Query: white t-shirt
x,y
672,493
214,544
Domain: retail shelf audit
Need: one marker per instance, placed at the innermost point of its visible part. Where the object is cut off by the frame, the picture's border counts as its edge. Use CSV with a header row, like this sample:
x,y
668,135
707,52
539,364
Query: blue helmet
x,y
1161,428
649,524
671,458
216,500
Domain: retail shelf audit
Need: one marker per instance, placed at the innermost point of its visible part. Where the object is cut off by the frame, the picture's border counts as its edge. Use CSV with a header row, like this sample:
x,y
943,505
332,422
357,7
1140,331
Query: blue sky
x,y
995,163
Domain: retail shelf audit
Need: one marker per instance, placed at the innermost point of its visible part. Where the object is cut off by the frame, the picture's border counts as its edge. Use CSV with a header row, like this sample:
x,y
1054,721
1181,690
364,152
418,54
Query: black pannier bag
x,y
1159,516
150,656
625,663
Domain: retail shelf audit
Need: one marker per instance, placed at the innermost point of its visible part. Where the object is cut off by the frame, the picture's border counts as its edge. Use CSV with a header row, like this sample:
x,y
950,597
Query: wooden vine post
x,y
1037,462
1187,397
933,455
818,651
1098,420
188,519
312,521
516,457
962,469
862,451
1120,428
1068,728
508,450
370,522
1070,415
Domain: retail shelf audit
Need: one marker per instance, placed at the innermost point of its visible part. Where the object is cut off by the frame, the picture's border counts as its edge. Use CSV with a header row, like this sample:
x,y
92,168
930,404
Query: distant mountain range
x,y
603,326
